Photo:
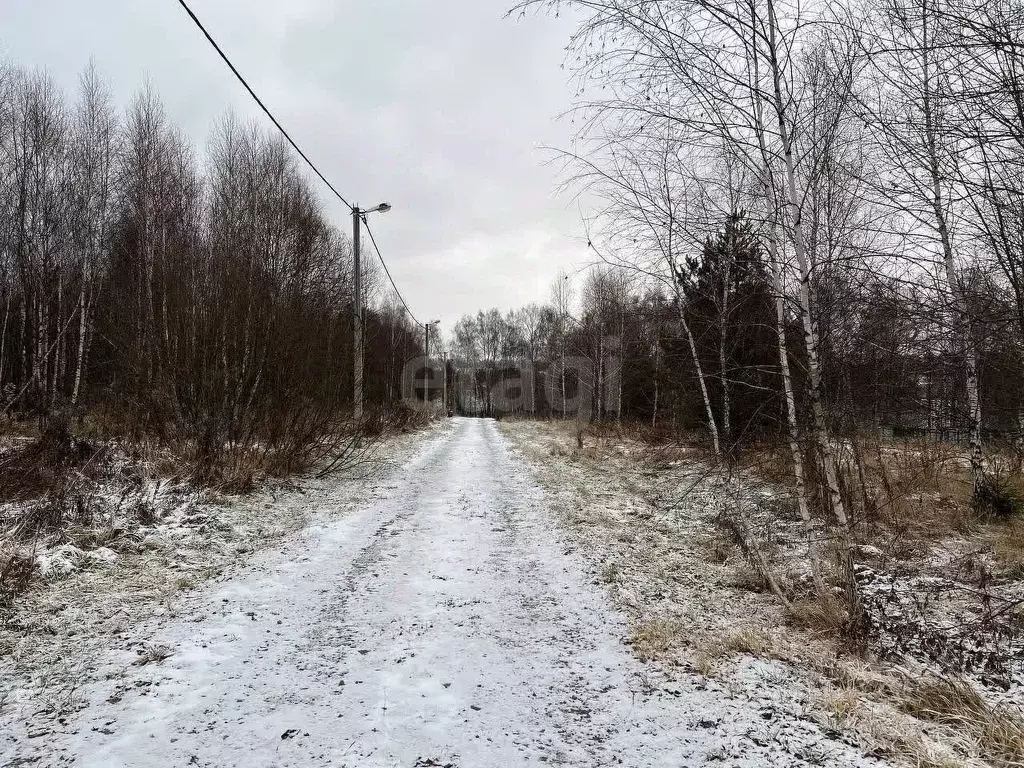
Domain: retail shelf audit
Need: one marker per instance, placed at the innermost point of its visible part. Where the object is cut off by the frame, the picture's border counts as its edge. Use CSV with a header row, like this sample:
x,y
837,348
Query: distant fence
x,y
956,435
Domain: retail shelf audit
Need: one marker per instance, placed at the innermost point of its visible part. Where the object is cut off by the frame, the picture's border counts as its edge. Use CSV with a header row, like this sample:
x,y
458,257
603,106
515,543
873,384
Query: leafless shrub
x,y
996,498
17,569
951,626
47,464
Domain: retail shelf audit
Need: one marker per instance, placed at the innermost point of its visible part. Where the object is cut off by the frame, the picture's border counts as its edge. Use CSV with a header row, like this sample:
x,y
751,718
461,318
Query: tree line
x,y
205,298
819,208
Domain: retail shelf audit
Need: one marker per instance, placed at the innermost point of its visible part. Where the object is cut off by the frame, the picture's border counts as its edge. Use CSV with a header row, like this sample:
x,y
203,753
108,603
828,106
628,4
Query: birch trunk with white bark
x,y
819,423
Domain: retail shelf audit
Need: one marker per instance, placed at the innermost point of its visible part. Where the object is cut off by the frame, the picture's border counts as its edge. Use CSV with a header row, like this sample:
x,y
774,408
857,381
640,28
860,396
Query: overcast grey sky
x,y
440,107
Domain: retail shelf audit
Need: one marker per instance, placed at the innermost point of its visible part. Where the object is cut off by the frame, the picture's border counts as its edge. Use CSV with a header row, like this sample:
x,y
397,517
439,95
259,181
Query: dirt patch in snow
x,y
646,523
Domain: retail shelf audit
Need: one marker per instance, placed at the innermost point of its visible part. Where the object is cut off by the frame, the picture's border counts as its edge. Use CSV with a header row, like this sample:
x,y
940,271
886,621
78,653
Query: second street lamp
x,y
426,353
426,337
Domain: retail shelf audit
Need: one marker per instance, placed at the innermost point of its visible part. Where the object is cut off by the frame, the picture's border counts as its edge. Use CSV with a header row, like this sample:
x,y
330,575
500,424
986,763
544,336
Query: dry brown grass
x,y
745,577
908,494
49,462
630,431
997,732
771,461
918,494
653,640
937,722
13,431
884,733
1007,542
842,705
17,570
821,616
748,640
704,663
852,672
904,495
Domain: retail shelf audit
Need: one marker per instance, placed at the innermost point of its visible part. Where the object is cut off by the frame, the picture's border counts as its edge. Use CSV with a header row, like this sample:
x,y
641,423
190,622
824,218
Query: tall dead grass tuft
x,y
652,640
1007,542
825,616
49,483
997,732
921,487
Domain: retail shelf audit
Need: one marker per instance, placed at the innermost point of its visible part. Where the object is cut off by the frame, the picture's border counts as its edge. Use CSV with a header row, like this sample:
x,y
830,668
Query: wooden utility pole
x,y
357,306
357,318
426,354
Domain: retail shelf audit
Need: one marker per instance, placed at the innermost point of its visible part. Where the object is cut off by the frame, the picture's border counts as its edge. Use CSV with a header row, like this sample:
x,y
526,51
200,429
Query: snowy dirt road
x,y
444,622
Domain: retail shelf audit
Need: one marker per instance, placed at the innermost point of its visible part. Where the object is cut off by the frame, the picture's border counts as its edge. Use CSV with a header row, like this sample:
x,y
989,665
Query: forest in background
x,y
809,236
199,299
801,341
810,240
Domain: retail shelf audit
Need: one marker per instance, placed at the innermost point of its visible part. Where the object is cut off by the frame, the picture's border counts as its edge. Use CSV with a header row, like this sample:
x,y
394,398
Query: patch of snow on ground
x,y
445,620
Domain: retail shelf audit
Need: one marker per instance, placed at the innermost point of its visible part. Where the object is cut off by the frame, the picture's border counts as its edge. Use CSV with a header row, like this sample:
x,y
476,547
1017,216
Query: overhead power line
x,y
387,271
262,105
296,147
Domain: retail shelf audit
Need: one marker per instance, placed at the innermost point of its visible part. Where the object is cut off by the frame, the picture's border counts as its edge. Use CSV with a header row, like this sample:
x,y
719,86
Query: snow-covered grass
x,y
647,520
447,620
91,587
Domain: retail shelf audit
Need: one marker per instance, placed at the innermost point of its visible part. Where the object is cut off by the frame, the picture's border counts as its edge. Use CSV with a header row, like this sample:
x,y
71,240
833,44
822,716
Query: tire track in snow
x,y
442,623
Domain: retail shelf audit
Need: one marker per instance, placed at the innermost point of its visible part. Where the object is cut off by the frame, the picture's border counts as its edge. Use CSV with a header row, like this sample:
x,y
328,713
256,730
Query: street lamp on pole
x,y
426,337
357,306
426,354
